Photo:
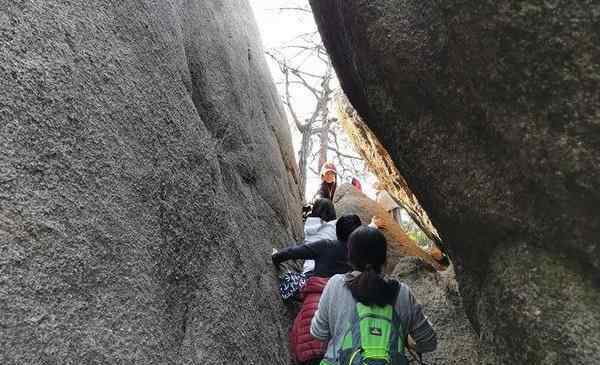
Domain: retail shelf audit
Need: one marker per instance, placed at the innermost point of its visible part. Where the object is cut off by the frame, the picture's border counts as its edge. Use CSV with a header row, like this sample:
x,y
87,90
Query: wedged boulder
x,y
378,160
348,200
490,112
146,167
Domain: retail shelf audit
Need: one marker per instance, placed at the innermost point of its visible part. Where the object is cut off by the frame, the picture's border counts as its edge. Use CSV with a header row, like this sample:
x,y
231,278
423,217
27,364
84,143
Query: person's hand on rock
x,y
378,222
410,343
275,258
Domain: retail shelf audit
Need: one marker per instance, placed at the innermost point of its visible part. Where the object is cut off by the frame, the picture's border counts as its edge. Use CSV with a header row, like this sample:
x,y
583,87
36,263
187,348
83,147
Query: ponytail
x,y
370,288
367,251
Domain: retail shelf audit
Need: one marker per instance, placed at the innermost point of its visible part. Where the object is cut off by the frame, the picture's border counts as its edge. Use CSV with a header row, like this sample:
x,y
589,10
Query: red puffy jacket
x,y
304,346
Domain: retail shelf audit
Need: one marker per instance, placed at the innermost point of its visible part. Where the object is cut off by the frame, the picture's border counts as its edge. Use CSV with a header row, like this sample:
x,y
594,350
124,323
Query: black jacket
x,y
326,191
331,257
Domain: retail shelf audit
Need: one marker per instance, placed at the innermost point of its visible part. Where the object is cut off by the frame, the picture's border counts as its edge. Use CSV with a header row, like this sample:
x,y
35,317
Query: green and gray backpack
x,y
373,337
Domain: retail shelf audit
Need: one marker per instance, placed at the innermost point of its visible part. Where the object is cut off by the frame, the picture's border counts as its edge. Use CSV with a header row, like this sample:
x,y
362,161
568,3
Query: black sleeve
x,y
322,193
308,251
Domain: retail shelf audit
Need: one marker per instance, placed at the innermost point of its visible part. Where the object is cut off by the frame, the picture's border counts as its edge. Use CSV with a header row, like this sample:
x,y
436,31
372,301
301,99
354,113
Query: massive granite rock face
x,y
145,169
490,111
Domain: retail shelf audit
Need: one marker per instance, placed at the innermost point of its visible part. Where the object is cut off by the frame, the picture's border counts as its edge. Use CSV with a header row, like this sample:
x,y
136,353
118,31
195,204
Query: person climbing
x,y
356,183
330,259
329,255
366,317
320,225
328,181
387,202
390,204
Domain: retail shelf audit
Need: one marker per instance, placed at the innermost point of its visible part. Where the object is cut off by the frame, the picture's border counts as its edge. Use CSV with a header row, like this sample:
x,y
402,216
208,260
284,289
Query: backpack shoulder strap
x,y
398,344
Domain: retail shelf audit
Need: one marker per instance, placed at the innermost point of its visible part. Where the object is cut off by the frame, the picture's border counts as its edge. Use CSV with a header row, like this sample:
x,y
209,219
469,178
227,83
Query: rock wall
x,y
146,168
458,343
490,112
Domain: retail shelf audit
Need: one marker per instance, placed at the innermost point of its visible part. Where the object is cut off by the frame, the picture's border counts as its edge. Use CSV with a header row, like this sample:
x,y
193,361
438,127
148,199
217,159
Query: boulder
x,y
146,168
458,343
489,111
348,200
379,161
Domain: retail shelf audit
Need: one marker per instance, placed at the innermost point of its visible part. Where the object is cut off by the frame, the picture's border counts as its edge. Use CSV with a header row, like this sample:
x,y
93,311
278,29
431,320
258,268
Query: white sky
x,y
282,27
278,27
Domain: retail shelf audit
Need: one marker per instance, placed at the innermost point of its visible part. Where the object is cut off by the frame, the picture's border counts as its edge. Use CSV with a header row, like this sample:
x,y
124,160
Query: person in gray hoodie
x,y
319,228
320,225
367,249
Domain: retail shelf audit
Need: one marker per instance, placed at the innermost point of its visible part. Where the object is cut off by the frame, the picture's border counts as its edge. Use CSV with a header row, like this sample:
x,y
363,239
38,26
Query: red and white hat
x,y
328,166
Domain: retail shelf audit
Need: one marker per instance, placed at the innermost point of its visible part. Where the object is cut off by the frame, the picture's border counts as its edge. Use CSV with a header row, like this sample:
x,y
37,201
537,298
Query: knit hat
x,y
328,166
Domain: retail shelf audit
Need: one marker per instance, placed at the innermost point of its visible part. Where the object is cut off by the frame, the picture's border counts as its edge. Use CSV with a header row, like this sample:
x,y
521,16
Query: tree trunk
x,y
303,153
323,143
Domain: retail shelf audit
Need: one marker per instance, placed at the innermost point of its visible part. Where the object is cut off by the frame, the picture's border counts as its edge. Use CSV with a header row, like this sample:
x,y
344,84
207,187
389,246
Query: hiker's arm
x,y
377,222
319,325
420,328
309,251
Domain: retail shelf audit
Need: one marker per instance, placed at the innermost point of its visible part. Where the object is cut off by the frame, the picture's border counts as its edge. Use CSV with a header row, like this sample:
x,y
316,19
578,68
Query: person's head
x,y
328,173
377,186
356,183
346,225
324,209
367,252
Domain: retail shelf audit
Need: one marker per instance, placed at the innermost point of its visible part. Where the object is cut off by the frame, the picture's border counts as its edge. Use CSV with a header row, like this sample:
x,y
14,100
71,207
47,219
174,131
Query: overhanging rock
x,y
490,110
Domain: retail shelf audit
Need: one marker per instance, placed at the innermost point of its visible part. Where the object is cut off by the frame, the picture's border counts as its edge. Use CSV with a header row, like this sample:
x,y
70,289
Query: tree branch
x,y
304,82
341,154
296,9
288,98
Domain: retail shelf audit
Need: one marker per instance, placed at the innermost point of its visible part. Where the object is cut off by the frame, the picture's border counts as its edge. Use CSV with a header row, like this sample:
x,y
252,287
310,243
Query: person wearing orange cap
x,y
328,181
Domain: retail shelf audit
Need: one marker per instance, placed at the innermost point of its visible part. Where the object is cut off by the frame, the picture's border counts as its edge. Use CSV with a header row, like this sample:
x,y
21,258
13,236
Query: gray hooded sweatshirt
x,y
337,306
315,230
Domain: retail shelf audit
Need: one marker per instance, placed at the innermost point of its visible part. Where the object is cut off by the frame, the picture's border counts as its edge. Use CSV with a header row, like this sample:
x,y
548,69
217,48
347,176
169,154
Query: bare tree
x,y
306,68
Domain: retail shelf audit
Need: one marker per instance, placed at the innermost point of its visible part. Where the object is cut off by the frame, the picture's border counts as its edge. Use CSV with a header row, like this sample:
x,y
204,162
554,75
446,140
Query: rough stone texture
x,y
490,111
348,200
145,169
438,292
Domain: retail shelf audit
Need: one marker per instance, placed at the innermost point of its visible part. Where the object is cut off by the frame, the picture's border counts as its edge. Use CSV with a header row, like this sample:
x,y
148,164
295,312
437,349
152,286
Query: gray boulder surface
x,y
438,292
146,169
490,110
